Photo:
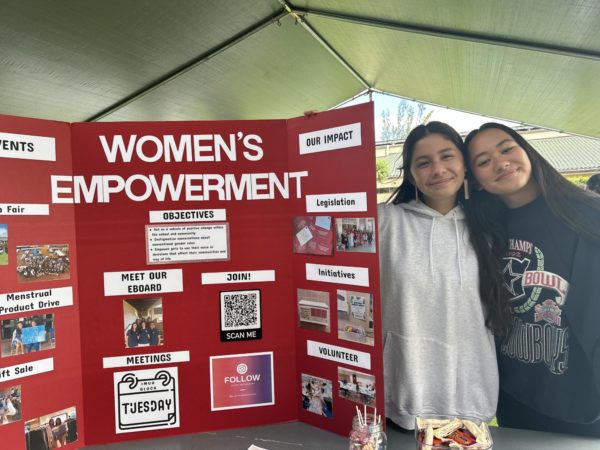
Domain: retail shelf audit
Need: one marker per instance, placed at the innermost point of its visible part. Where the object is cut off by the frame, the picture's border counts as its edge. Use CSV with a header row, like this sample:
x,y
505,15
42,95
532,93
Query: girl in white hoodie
x,y
438,317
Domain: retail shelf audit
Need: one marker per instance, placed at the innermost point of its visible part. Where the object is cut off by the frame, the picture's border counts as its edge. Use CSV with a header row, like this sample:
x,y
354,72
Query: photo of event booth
x,y
52,431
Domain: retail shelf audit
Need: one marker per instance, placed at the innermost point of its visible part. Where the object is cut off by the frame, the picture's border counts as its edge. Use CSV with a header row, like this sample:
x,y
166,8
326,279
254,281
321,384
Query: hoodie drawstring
x,y
458,250
431,246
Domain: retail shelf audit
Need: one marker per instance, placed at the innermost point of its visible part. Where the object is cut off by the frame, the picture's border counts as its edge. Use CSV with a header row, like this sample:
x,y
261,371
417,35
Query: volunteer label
x,y
351,201
187,243
146,400
23,146
145,359
26,369
238,277
143,282
17,302
188,215
356,276
330,139
338,354
24,209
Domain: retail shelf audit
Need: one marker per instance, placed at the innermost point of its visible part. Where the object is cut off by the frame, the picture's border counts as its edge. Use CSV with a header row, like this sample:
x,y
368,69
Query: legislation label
x,y
344,202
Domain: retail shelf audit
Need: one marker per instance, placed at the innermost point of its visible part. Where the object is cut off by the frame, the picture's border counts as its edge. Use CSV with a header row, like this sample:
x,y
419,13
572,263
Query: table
x,y
300,436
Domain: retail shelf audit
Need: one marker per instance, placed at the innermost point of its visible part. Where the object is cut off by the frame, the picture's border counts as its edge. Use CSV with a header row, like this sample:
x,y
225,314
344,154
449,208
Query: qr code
x,y
240,310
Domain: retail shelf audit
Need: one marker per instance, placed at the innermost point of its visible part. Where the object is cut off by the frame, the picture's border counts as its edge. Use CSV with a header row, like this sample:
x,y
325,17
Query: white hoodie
x,y
439,358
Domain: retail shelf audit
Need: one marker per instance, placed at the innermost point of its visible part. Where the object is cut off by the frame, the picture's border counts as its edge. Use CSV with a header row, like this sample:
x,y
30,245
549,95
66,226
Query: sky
x,y
460,121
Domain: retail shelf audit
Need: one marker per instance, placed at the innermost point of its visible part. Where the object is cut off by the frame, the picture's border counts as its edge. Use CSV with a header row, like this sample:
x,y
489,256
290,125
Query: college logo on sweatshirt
x,y
537,296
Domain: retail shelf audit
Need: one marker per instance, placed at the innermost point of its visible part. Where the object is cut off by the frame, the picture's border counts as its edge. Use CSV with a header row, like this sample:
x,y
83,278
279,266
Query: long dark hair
x,y
493,296
407,190
577,209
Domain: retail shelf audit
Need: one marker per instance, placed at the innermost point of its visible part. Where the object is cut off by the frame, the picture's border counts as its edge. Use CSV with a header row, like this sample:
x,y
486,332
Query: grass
x,y
3,259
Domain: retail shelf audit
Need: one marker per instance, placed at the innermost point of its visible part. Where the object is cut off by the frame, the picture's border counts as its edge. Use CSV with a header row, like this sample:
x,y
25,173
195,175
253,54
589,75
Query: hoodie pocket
x,y
419,374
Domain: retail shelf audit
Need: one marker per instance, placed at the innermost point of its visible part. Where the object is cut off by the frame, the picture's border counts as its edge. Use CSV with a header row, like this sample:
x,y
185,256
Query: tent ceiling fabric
x,y
535,61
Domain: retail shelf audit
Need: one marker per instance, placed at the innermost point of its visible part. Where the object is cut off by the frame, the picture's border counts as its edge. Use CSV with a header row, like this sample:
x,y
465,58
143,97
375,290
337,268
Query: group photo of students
x,y
143,322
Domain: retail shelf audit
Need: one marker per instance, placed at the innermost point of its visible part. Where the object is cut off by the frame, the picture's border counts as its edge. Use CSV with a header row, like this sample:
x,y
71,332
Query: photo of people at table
x,y
28,334
3,244
52,431
10,404
317,395
143,319
43,263
356,386
355,316
355,234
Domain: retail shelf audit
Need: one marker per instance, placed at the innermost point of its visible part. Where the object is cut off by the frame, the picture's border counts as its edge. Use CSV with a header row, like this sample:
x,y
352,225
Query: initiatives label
x,y
356,276
24,209
330,139
143,282
24,146
188,215
338,354
146,359
187,243
249,276
26,369
351,201
17,302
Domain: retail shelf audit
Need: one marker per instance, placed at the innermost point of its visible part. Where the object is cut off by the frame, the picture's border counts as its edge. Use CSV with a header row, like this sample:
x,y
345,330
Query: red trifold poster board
x,y
161,278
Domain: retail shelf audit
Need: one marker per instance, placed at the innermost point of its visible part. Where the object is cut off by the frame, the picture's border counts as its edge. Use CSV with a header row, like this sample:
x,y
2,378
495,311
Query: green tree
x,y
382,169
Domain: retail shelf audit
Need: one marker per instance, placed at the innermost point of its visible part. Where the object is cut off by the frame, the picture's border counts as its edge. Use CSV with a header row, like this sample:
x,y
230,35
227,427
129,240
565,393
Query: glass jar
x,y
367,436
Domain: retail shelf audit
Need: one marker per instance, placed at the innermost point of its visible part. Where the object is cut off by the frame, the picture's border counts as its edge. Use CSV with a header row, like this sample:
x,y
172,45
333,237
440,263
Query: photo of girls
x,y
440,290
143,319
52,431
3,244
545,235
10,405
28,334
317,395
43,263
355,234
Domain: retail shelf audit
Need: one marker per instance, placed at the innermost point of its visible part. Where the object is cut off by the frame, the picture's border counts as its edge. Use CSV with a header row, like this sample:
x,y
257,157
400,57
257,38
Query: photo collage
x,y
353,316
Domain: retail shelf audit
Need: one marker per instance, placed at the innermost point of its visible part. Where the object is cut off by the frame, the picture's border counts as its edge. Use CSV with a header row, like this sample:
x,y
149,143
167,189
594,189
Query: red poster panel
x,y
338,315
184,226
40,366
